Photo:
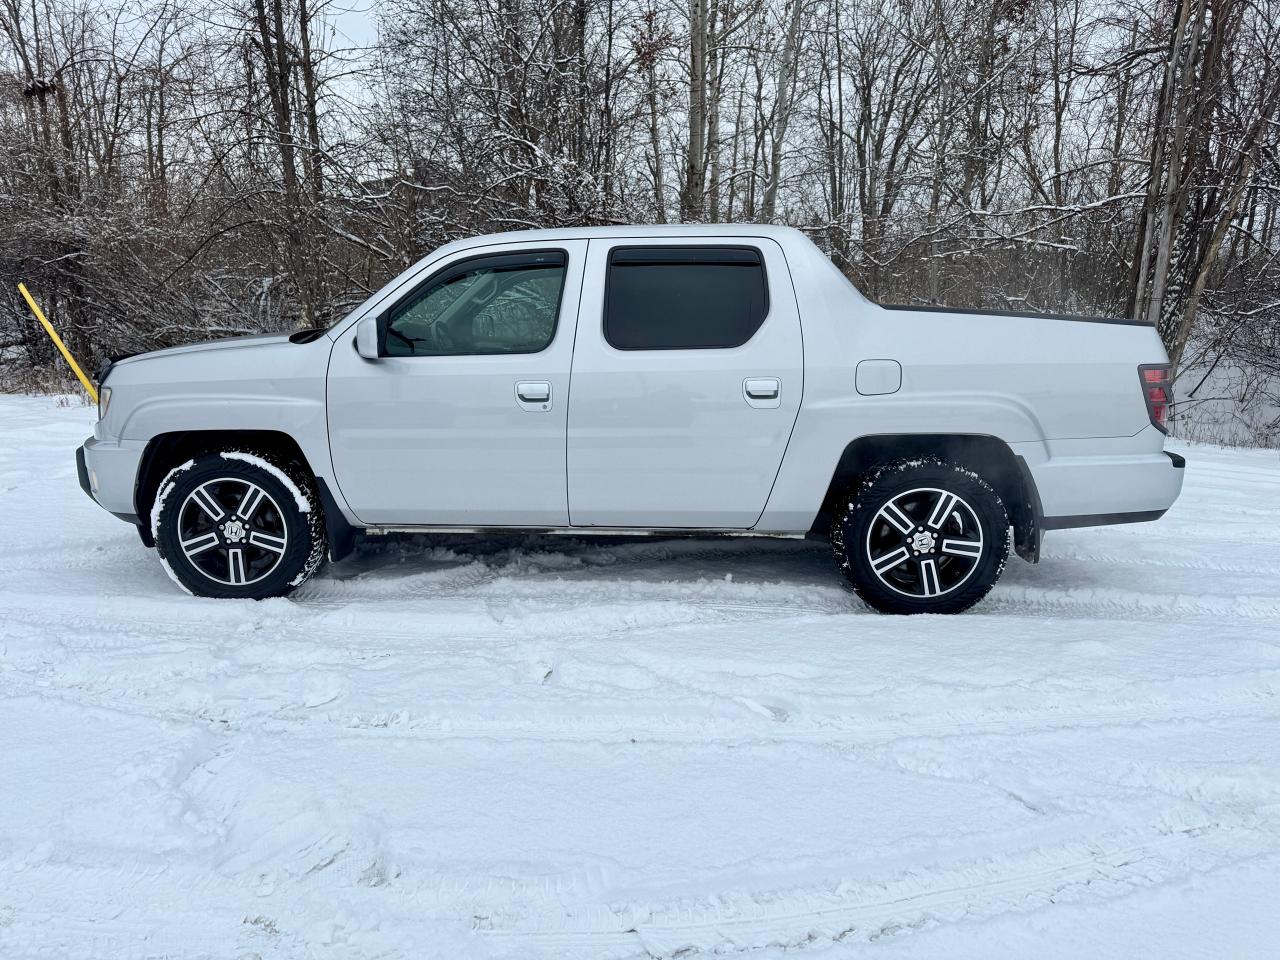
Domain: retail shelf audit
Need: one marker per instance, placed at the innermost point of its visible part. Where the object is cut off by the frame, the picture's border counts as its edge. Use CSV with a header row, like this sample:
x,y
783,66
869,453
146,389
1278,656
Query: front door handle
x,y
762,392
534,394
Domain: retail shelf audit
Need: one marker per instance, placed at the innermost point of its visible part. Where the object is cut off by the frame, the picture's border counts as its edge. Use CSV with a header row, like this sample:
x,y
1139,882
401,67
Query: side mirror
x,y
367,338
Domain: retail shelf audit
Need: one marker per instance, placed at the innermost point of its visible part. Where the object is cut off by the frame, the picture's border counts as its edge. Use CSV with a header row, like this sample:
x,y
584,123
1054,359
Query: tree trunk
x,y
692,200
782,111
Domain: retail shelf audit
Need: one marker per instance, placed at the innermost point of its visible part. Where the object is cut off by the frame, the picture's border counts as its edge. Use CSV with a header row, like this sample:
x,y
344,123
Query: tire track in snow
x,y
1106,603
855,904
855,908
536,563
760,727
1083,554
560,618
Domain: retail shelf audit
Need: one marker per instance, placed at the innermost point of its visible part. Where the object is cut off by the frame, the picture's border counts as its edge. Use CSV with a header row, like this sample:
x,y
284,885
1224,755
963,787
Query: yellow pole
x,y
57,342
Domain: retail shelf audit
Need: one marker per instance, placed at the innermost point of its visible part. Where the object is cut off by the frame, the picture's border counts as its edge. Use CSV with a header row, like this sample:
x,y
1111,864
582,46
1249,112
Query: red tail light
x,y
1157,390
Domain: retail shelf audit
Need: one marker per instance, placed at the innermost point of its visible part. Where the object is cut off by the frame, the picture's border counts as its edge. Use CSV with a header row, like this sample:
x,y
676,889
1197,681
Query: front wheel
x,y
922,536
238,525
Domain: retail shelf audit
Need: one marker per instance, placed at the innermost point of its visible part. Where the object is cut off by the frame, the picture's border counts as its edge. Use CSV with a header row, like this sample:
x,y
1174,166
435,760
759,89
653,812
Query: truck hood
x,y
231,343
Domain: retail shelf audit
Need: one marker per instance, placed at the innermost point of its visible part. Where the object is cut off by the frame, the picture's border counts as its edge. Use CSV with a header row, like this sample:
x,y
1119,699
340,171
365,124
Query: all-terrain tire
x,y
922,536
238,524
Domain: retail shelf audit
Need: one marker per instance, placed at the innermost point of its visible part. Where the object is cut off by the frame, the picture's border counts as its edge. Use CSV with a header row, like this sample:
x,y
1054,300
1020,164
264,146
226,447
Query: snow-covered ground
x,y
557,748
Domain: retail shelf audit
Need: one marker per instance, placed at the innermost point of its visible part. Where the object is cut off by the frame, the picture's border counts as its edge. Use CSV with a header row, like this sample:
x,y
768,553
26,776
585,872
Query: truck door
x,y
687,379
461,421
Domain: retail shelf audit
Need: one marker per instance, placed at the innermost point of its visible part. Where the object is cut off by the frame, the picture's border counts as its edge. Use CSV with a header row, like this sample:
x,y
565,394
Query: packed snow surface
x,y
562,748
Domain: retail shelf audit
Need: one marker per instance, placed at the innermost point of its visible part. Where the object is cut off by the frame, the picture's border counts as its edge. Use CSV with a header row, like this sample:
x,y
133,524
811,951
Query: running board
x,y
587,531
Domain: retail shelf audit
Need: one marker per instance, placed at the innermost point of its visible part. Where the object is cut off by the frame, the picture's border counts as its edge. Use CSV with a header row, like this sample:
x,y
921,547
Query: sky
x,y
355,22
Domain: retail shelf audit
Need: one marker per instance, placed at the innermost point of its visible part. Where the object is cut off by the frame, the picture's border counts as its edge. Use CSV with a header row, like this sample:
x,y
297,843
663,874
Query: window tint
x,y
502,304
682,298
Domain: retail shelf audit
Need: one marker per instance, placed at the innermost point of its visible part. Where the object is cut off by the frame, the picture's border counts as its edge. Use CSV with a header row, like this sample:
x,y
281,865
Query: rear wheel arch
x,y
989,457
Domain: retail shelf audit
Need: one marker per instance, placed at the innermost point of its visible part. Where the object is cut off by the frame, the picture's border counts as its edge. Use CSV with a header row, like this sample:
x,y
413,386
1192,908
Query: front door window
x,y
484,306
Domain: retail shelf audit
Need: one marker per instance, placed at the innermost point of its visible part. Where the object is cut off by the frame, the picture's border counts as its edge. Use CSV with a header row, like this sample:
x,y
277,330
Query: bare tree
x,y
169,172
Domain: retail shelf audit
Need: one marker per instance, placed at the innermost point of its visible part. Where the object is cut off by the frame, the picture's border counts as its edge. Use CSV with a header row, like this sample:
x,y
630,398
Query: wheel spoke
x,y
942,509
235,566
929,582
884,564
893,513
249,502
203,499
267,541
199,544
962,548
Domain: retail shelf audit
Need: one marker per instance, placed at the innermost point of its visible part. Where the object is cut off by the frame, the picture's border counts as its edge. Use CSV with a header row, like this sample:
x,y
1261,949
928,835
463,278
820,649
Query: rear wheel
x,y
922,536
238,525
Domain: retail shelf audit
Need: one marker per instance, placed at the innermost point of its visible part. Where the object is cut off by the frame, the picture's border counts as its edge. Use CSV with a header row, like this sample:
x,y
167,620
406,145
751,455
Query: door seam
x,y
568,390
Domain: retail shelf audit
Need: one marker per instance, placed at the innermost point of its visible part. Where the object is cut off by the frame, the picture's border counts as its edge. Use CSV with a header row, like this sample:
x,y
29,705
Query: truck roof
x,y
771,231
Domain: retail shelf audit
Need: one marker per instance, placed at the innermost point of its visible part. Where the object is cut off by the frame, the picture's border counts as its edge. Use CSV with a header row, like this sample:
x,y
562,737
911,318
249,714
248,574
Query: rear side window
x,y
684,298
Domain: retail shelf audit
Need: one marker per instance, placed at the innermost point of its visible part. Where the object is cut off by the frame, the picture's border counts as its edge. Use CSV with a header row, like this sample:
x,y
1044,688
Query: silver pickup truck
x,y
640,380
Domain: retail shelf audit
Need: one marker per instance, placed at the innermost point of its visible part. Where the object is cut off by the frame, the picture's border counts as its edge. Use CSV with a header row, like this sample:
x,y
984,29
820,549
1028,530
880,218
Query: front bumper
x,y
108,472
82,472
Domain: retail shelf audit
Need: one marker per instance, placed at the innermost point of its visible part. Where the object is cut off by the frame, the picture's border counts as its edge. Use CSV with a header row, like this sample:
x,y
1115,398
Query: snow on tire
x,y
922,536
238,524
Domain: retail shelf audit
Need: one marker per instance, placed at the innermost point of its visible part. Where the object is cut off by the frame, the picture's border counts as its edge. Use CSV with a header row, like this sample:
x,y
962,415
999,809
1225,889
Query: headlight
x,y
104,401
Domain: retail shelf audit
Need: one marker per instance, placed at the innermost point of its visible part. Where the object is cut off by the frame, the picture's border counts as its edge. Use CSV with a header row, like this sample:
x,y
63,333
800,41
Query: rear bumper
x,y
1099,519
1098,490
108,472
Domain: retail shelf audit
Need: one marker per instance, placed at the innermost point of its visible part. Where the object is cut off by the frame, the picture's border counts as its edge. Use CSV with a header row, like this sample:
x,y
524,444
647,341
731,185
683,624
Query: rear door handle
x,y
763,392
534,394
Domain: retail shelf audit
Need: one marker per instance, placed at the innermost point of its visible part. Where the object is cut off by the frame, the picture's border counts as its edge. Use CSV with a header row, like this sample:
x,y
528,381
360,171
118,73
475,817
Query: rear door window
x,y
684,298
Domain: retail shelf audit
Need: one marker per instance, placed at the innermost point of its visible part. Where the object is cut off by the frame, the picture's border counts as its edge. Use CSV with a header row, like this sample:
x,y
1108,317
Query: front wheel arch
x,y
167,450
